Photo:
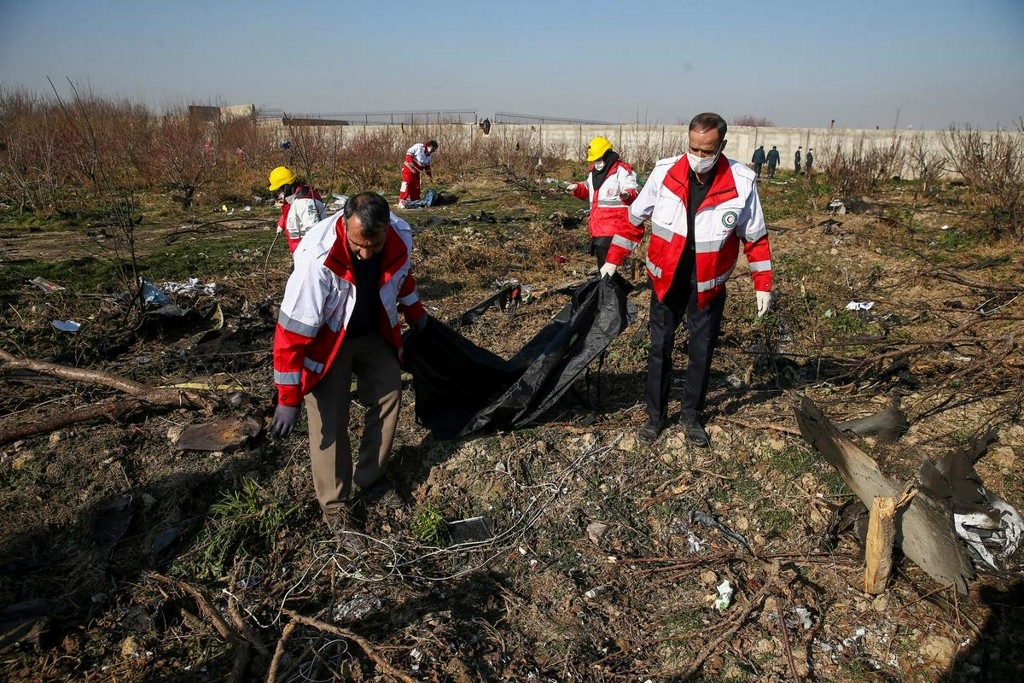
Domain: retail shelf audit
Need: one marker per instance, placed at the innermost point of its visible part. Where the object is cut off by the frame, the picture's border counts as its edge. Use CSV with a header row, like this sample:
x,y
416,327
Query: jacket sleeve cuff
x,y
415,312
289,394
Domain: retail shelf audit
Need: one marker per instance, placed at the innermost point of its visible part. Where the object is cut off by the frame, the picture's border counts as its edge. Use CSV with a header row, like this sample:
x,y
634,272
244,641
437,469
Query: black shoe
x,y
339,522
693,430
650,431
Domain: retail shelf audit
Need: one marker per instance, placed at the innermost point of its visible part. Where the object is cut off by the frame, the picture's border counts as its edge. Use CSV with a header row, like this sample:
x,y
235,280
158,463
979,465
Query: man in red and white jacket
x,y
339,317
302,209
610,188
417,160
703,207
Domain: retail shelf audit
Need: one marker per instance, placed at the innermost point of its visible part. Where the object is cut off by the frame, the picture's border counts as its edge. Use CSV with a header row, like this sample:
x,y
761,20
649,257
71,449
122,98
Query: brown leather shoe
x,y
340,523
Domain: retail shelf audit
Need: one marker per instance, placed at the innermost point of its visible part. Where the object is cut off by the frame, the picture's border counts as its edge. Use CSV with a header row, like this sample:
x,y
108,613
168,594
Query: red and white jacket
x,y
321,295
417,159
730,215
609,215
301,211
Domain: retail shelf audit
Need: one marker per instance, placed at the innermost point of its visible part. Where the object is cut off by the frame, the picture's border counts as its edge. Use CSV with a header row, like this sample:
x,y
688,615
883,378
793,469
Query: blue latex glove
x,y
284,420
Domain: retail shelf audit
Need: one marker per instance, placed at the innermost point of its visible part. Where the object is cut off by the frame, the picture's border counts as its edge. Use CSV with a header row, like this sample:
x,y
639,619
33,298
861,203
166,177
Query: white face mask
x,y
599,165
702,165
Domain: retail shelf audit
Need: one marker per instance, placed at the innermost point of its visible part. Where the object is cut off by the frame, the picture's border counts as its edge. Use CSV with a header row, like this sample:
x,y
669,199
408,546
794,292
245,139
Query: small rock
x,y
777,445
939,650
23,461
1002,457
714,431
55,438
742,523
130,647
709,578
595,531
675,443
764,646
629,443
174,433
880,604
541,446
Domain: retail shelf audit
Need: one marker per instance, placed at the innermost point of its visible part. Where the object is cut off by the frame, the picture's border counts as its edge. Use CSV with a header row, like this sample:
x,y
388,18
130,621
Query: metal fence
x,y
372,117
509,117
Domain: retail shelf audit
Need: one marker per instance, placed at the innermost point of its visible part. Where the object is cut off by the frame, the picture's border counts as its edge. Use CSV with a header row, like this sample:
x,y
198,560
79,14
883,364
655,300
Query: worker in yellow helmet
x,y
610,188
302,208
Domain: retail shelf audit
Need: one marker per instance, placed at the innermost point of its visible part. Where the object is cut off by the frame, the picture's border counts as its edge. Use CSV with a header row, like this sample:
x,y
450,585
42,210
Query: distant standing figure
x,y
758,160
302,207
610,188
810,159
417,160
773,161
796,161
485,126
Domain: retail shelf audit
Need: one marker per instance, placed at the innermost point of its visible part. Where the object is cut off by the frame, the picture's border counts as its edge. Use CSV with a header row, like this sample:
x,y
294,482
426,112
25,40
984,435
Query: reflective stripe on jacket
x,y
609,216
730,214
321,295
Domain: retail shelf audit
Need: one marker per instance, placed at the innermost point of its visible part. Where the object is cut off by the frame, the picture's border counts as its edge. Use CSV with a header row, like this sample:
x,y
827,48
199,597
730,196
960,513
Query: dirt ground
x,y
124,558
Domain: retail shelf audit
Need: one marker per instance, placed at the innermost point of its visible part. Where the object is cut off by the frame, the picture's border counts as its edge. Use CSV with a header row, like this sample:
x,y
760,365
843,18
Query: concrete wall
x,y
642,145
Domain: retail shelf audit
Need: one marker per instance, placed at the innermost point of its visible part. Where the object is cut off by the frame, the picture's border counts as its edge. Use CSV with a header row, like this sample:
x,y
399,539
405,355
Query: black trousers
x,y
703,327
599,247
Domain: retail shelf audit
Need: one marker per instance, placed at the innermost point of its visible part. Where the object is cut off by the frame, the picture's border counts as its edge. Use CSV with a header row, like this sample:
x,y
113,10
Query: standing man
x,y
609,188
339,317
773,161
417,160
703,207
810,159
796,161
758,160
302,207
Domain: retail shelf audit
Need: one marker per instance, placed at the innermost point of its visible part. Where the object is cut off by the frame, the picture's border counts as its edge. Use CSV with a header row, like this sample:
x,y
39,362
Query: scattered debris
x,y
889,424
191,286
223,435
724,598
66,325
923,531
112,521
470,530
45,285
860,305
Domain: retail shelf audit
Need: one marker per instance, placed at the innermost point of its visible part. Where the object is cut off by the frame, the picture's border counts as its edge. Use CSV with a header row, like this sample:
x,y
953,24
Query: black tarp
x,y
461,387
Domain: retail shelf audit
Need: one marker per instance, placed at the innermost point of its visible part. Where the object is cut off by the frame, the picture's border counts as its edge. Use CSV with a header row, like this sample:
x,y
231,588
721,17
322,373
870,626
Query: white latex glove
x,y
608,269
764,302
571,187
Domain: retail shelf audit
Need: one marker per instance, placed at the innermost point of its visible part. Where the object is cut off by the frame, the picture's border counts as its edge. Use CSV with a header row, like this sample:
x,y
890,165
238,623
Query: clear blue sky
x,y
932,62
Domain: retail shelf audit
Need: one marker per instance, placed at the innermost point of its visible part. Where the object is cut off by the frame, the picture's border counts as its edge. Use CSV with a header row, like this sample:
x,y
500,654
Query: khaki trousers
x,y
375,365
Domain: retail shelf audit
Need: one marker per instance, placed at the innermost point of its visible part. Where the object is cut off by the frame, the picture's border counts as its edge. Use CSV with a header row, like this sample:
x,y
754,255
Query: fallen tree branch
x,y
357,639
141,397
279,651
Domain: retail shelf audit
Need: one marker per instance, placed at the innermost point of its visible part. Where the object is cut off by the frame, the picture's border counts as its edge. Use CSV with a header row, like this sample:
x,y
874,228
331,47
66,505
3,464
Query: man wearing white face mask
x,y
611,187
703,207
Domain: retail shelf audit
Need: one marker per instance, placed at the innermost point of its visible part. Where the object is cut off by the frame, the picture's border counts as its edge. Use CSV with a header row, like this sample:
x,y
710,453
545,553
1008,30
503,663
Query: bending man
x,y
339,317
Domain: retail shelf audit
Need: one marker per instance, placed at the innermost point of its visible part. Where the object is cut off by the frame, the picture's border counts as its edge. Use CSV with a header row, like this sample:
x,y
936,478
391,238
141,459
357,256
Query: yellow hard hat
x,y
598,146
282,175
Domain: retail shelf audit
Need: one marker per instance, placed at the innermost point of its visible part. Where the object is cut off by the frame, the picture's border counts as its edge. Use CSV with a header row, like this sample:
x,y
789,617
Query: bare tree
x,y
994,165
